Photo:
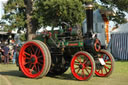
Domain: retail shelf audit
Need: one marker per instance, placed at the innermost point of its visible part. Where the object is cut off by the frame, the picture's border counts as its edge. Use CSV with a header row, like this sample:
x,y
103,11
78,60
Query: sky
x,y
1,7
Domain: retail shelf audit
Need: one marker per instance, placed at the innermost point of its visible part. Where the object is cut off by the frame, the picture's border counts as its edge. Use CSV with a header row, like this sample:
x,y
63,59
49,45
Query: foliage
x,y
14,15
22,37
52,12
44,13
120,6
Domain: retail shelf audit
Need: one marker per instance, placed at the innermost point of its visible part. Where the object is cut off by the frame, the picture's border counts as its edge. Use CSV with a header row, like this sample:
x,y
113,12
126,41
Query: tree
x,y
14,16
29,20
33,14
19,15
120,6
52,12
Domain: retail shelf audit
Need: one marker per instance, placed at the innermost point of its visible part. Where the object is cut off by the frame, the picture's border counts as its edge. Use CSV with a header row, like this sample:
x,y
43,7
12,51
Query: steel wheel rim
x,y
106,68
77,67
32,59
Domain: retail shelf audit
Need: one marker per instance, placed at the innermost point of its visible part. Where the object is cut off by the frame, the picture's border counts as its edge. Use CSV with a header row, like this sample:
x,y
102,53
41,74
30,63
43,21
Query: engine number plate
x,y
102,61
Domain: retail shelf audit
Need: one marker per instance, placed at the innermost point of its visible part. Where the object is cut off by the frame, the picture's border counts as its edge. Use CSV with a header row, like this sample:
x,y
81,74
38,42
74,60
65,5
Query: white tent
x,y
122,29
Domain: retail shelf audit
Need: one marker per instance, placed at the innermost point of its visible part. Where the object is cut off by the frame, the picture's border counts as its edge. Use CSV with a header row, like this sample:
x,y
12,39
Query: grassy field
x,y
9,75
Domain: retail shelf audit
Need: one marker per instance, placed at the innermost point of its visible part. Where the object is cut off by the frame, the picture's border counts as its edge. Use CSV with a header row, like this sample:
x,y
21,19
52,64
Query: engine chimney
x,y
89,18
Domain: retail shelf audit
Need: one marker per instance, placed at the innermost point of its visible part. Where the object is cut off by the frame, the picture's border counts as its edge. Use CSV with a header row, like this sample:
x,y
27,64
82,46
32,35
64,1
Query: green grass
x,y
10,71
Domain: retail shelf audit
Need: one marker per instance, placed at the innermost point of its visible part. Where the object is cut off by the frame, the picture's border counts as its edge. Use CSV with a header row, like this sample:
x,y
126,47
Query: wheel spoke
x,y
32,48
77,68
85,61
32,69
101,71
78,60
25,57
88,68
108,64
27,62
38,68
106,67
27,53
30,65
78,71
36,51
28,58
87,71
76,64
39,63
35,67
83,73
39,57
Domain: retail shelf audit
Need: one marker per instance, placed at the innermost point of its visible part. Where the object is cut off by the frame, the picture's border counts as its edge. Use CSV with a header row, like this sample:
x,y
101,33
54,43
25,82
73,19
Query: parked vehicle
x,y
53,52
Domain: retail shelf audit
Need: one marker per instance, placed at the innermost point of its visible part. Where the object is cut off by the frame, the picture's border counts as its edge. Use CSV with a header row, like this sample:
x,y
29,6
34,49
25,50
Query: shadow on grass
x,y
13,73
63,76
20,74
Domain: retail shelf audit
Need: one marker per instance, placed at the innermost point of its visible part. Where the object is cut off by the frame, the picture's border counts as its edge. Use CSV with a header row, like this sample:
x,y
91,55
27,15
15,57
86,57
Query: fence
x,y
119,46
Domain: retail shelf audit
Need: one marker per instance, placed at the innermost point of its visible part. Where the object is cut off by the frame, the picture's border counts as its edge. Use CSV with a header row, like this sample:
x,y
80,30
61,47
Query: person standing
x,y
6,54
14,53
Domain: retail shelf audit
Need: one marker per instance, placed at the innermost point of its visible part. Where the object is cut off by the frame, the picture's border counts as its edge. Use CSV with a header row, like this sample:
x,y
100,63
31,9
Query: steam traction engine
x,y
53,52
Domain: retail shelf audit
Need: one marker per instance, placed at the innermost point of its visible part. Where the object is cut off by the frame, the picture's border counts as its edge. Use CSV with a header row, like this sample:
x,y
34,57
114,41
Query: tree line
x,y
31,15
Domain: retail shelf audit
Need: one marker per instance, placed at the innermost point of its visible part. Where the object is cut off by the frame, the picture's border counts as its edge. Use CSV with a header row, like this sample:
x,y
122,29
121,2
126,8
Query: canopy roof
x,y
121,29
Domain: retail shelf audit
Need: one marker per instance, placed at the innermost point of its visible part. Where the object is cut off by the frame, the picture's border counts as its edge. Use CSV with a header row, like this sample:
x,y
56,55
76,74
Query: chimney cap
x,y
89,6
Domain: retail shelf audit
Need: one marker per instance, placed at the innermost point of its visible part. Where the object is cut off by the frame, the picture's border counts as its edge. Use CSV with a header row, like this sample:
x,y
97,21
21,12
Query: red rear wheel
x,y
107,69
82,66
33,59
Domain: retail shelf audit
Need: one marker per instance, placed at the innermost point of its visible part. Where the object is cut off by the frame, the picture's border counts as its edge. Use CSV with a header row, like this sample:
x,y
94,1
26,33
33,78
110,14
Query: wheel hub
x,y
33,59
81,66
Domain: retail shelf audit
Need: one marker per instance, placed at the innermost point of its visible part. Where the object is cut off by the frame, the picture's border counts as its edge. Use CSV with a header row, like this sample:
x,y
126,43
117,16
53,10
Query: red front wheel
x,y
82,66
106,69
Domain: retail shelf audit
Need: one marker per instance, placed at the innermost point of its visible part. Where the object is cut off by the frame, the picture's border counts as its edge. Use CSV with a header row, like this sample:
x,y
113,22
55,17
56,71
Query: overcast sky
x,y
1,7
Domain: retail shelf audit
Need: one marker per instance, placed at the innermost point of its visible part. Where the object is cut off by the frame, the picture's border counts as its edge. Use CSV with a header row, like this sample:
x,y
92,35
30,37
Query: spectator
x,y
14,53
0,54
6,54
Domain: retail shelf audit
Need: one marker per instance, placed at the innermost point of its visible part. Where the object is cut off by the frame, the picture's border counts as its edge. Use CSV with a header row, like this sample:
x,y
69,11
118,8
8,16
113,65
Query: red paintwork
x,y
27,52
73,44
87,66
108,67
97,42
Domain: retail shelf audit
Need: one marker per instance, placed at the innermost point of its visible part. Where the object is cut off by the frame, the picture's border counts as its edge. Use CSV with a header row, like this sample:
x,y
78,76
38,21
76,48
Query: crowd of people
x,y
8,53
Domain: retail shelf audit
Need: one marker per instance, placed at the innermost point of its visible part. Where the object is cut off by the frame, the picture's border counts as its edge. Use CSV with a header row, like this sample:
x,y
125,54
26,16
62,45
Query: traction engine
x,y
53,52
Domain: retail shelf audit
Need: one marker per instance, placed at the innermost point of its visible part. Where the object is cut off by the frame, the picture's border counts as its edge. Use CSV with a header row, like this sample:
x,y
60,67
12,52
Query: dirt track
x,y
5,80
